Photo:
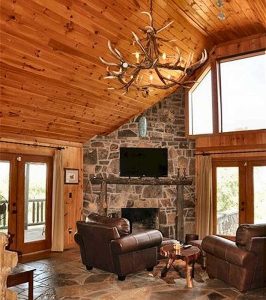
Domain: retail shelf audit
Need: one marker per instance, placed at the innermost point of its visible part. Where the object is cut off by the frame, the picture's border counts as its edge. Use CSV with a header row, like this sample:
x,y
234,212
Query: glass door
x,y
239,193
8,188
229,206
256,191
34,203
259,179
4,194
227,200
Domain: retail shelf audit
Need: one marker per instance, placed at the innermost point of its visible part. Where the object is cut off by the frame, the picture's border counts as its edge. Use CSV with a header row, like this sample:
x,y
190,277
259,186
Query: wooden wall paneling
x,y
231,141
244,45
72,158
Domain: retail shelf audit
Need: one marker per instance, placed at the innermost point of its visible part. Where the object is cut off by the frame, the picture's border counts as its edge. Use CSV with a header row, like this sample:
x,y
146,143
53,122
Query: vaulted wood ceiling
x,y
52,82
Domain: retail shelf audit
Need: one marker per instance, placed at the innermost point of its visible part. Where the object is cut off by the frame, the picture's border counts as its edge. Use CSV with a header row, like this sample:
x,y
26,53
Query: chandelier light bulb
x,y
151,77
164,56
137,54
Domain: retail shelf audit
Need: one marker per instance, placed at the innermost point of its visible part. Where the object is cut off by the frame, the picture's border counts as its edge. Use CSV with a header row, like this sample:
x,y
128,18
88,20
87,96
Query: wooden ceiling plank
x,y
38,120
88,92
87,118
48,115
33,124
39,133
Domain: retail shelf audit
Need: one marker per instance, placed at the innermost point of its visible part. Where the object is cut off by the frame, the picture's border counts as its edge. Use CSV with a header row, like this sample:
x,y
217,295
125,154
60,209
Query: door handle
x,y
14,208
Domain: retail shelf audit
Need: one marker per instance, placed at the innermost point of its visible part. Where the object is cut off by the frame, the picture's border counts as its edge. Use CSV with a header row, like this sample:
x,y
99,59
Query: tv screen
x,y
139,162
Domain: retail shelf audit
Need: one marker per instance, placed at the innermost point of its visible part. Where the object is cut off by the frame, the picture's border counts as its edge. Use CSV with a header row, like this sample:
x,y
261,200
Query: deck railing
x,y
35,214
3,217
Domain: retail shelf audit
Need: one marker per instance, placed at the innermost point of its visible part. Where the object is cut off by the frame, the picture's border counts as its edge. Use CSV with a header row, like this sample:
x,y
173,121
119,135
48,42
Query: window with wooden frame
x,y
230,97
200,105
239,193
242,93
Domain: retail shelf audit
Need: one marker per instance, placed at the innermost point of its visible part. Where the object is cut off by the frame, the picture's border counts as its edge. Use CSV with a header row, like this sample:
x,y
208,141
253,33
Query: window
x,y
200,108
239,102
243,104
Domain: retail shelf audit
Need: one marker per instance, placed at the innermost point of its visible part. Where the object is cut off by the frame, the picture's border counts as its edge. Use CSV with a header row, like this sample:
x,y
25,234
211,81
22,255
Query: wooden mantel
x,y
178,182
143,181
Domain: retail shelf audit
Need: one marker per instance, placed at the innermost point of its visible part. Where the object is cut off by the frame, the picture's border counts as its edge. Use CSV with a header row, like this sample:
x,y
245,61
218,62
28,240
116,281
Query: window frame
x,y
214,68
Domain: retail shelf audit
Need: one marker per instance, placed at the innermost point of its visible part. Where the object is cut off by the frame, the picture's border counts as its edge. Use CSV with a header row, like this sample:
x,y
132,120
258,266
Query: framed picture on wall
x,y
71,176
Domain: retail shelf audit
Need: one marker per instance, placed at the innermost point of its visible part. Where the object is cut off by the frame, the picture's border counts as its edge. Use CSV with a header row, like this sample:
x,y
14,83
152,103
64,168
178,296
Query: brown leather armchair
x,y
241,264
106,243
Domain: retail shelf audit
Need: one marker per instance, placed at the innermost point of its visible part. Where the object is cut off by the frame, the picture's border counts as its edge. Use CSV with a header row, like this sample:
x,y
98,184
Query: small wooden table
x,y
189,255
21,274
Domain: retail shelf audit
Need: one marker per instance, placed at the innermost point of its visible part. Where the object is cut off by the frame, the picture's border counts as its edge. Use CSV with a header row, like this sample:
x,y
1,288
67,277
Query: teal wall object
x,y
142,126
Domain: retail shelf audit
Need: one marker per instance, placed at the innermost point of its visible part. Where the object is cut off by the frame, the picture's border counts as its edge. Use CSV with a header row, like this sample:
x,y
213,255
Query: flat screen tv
x,y
140,162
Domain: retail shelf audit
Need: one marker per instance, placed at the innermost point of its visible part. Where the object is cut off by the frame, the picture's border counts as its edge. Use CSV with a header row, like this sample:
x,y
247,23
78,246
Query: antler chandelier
x,y
164,70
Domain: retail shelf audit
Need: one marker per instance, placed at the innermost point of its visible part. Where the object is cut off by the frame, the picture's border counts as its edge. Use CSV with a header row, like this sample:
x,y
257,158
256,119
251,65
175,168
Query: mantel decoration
x,y
161,70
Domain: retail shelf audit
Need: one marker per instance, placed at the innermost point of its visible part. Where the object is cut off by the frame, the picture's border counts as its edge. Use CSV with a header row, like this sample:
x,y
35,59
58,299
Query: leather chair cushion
x,y
122,225
246,232
135,242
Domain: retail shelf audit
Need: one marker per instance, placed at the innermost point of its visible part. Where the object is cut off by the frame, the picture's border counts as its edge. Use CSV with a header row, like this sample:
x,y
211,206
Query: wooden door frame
x,y
34,246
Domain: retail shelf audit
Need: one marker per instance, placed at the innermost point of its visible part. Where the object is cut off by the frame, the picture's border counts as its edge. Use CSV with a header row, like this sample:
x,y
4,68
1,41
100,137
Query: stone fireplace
x,y
166,129
141,219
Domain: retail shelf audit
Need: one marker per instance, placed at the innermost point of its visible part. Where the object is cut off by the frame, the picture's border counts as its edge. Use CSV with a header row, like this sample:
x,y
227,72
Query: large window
x,y
239,102
243,103
200,108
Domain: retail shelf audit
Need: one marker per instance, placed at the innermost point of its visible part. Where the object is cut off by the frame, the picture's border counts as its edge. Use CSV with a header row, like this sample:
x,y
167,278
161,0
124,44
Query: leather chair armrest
x,y
226,250
135,242
258,245
77,238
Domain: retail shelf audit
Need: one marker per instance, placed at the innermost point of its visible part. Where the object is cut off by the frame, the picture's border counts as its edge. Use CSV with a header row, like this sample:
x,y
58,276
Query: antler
x,y
197,64
140,44
164,27
114,51
150,17
108,63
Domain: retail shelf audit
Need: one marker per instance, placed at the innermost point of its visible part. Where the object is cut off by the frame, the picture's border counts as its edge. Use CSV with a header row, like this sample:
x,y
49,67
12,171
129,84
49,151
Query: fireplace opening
x,y
141,219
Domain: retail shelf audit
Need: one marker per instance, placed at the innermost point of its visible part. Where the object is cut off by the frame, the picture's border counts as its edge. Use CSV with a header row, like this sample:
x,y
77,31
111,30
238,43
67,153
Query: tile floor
x,y
64,277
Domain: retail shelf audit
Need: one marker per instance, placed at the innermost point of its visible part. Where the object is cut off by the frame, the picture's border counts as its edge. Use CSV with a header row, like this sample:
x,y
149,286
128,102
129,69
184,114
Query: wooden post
x,y
179,212
8,260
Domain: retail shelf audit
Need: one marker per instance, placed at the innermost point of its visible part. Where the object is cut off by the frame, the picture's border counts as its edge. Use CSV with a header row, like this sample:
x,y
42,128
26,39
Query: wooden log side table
x,y
21,274
189,256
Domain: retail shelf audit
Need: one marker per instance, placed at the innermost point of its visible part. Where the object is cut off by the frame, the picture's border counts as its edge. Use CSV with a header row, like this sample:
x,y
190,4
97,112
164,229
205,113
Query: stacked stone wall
x,y
166,128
